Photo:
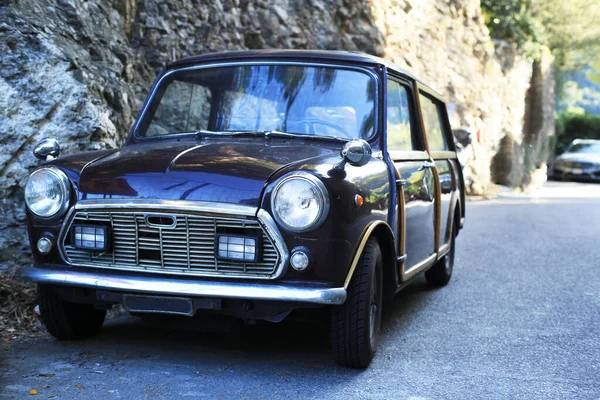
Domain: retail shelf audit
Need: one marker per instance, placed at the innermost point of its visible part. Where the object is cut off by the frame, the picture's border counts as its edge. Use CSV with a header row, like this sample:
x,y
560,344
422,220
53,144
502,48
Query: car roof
x,y
576,141
297,55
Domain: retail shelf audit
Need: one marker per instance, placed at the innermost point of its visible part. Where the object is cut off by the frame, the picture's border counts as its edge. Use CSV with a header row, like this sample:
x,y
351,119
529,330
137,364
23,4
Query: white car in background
x,y
581,160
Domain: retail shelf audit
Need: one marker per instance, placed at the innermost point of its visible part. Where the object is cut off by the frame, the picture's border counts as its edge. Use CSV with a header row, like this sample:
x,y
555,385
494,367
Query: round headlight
x,y
47,192
300,202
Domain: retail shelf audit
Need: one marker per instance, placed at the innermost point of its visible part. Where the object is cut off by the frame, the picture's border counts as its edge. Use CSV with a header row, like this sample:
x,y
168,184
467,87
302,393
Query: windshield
x,y
587,148
325,101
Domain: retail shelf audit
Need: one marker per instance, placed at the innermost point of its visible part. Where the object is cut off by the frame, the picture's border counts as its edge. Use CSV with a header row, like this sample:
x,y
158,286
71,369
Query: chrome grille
x,y
187,248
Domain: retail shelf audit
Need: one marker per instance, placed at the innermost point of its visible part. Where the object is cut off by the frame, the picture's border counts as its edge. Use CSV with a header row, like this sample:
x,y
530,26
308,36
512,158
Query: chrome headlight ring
x,y
307,202
57,192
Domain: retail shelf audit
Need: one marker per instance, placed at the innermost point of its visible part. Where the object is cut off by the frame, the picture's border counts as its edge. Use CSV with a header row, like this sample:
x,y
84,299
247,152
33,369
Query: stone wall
x,y
78,70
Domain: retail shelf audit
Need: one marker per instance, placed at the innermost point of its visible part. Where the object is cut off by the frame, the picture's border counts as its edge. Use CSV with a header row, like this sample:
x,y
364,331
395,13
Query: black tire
x,y
68,321
355,325
441,272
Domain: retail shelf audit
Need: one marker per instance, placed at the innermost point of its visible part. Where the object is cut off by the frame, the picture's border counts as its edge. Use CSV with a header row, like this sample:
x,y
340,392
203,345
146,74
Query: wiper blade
x,y
204,132
269,134
303,136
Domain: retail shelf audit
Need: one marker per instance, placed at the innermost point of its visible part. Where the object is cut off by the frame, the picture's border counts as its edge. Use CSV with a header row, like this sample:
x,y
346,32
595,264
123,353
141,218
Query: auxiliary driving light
x,y
239,248
299,260
90,237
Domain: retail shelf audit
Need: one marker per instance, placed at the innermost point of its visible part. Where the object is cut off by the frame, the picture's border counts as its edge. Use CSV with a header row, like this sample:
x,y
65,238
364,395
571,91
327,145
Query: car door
x,y
441,149
414,177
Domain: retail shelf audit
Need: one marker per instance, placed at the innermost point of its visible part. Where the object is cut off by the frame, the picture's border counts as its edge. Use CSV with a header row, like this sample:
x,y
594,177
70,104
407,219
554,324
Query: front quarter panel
x,y
38,227
333,244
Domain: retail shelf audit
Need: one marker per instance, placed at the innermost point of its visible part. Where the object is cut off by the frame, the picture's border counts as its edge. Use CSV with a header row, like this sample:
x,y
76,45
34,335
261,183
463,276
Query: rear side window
x,y
399,132
432,119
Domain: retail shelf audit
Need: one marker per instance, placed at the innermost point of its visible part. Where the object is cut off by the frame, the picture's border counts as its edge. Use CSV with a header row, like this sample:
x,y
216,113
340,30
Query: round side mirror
x,y
47,149
357,152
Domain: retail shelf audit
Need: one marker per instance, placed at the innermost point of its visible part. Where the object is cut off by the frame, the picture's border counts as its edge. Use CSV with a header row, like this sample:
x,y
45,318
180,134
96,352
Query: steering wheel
x,y
312,122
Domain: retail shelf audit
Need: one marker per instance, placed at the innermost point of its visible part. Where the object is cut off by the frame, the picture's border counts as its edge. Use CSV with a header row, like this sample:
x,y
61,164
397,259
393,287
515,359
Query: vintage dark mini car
x,y
253,184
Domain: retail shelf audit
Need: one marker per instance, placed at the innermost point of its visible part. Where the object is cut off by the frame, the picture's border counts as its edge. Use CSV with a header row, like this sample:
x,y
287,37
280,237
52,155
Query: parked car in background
x,y
580,161
253,184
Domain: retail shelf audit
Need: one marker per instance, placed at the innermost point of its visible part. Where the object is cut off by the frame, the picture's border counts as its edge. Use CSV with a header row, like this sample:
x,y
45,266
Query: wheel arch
x,y
382,232
456,213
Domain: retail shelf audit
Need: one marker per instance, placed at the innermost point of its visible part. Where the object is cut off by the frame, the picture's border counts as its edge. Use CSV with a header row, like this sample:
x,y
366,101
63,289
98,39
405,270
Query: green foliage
x,y
593,74
513,21
580,99
566,27
571,126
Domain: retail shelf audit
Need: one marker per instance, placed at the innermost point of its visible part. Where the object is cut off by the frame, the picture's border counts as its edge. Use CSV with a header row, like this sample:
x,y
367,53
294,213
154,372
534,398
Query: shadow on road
x,y
302,339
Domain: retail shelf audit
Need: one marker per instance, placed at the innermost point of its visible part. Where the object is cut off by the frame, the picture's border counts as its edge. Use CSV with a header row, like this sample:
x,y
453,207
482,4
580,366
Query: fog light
x,y
299,260
89,237
44,245
239,248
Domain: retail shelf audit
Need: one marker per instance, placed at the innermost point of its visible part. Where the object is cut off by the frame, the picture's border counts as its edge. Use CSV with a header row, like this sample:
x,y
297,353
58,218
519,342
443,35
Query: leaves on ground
x,y
17,300
33,392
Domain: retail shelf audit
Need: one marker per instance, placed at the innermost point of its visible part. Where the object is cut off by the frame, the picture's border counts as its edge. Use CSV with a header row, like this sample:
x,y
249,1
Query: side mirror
x,y
357,152
47,149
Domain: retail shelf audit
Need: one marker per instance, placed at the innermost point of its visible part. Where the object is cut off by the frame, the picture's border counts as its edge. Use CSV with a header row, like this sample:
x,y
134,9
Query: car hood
x,y
216,171
580,157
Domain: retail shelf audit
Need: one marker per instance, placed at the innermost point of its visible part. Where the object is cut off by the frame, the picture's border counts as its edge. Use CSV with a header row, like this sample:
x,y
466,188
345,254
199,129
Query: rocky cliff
x,y
78,70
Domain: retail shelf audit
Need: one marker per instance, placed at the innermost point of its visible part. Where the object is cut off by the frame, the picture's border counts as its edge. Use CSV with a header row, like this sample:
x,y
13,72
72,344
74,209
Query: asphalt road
x,y
520,319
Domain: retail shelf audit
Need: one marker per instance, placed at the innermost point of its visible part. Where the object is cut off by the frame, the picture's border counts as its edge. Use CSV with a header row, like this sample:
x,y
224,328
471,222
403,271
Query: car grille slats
x,y
188,248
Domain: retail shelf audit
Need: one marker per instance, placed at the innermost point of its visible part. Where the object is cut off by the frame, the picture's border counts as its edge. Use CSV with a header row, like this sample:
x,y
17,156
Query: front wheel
x,y
65,320
355,324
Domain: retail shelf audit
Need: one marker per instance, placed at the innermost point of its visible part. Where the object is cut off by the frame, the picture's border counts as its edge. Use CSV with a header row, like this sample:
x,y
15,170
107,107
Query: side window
x,y
432,118
399,132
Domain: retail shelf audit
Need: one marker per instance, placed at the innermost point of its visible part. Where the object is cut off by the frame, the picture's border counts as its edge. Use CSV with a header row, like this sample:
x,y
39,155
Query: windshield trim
x,y
158,84
585,144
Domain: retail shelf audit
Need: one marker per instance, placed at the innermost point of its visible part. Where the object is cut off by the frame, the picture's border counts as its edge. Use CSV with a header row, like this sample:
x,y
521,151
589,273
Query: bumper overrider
x,y
132,276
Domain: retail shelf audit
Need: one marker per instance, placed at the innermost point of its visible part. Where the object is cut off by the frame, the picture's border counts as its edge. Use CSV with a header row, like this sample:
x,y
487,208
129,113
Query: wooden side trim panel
x,y
422,266
439,155
416,155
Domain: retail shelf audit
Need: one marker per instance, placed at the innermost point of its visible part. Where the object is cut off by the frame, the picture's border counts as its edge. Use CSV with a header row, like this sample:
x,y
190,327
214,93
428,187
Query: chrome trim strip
x,y
443,250
217,64
363,242
174,160
265,219
423,265
168,205
186,287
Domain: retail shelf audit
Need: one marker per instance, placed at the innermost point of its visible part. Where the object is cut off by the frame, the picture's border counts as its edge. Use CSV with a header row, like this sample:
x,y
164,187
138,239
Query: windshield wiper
x,y
269,134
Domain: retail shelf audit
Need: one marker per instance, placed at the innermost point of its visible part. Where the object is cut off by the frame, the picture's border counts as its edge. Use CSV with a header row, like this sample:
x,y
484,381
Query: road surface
x,y
520,319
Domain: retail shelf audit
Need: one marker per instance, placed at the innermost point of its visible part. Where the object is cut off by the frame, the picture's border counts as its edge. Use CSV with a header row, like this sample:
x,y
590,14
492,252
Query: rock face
x,y
78,70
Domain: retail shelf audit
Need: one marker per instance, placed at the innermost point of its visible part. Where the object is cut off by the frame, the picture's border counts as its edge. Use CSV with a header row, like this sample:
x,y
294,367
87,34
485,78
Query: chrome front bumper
x,y
182,287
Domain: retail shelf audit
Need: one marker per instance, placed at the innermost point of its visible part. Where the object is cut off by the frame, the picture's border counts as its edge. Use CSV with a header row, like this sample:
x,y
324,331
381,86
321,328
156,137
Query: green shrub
x,y
571,126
